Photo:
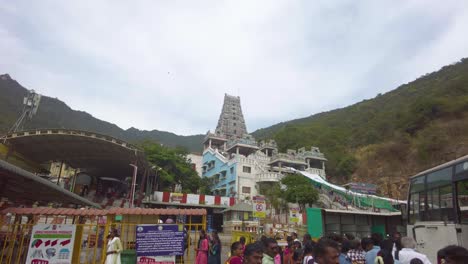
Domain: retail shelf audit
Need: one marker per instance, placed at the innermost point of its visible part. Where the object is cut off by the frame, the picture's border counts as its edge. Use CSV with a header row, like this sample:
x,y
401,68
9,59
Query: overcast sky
x,y
166,64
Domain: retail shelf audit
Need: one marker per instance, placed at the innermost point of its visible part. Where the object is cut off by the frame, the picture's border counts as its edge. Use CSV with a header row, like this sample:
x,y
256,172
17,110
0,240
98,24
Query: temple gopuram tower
x,y
231,123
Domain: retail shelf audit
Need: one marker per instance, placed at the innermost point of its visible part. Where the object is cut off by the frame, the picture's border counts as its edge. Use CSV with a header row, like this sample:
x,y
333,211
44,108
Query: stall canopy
x,y
19,184
363,200
94,154
98,212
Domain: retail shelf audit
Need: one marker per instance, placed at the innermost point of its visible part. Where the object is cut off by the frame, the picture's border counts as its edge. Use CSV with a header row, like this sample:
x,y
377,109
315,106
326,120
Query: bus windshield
x,y
440,195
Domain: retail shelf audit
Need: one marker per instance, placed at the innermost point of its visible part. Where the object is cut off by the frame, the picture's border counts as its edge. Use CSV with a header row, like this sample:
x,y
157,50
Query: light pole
x,y
151,185
132,193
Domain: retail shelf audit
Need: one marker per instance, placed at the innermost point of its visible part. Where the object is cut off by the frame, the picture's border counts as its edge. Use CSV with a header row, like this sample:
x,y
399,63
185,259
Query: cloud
x,y
166,65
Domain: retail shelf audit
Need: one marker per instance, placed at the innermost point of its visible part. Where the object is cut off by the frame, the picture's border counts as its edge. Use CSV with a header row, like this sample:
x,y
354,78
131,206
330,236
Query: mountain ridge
x,y
386,139
382,140
54,113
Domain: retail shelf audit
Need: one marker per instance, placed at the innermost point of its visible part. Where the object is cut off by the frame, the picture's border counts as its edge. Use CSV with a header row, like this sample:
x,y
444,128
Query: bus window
x,y
433,202
417,184
462,189
446,203
439,178
462,167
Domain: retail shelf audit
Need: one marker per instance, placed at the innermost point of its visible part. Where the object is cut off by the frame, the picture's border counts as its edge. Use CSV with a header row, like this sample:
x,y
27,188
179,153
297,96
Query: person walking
x,y
372,247
242,241
253,253
308,253
356,254
114,247
202,249
453,255
384,257
326,251
388,245
270,250
345,247
236,253
214,249
306,239
288,251
407,253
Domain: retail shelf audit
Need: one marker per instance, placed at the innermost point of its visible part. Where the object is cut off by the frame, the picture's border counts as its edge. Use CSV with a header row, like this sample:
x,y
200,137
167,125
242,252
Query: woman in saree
x,y
114,247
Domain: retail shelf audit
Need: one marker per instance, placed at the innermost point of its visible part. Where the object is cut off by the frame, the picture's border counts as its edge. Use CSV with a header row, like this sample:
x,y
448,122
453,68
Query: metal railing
x,y
269,176
90,239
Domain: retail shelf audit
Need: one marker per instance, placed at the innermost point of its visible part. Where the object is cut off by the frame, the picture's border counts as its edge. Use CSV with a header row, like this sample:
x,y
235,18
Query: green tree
x,y
206,184
175,168
299,189
274,195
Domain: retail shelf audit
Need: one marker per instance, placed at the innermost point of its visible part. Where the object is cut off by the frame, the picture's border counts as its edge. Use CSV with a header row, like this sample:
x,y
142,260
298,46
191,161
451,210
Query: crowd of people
x,y
331,249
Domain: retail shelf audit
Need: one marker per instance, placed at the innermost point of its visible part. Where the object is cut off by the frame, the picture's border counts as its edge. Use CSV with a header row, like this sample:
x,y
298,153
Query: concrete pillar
x,y
323,165
237,150
308,163
225,146
209,143
60,173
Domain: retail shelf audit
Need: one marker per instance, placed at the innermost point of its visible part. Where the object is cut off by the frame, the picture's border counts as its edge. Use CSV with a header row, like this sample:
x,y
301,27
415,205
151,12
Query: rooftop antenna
x,y
30,106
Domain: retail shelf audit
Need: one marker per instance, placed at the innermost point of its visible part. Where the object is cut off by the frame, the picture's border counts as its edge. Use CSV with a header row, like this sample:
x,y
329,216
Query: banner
x,y
259,207
193,198
156,241
294,215
209,200
156,260
51,244
176,197
225,201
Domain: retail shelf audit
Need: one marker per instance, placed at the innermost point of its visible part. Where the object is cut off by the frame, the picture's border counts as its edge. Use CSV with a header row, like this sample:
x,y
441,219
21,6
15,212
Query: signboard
x,y
176,197
51,244
225,201
193,198
209,200
294,215
259,207
156,260
159,240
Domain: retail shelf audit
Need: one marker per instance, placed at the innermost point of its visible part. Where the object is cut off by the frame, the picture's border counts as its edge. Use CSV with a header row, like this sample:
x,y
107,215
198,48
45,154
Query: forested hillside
x,y
54,113
392,136
383,140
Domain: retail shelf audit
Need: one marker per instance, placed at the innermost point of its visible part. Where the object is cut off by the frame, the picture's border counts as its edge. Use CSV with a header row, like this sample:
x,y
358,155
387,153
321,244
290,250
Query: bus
x,y
438,207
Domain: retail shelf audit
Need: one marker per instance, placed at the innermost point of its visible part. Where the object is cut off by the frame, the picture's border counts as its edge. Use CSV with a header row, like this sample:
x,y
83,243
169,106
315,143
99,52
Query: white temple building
x,y
238,164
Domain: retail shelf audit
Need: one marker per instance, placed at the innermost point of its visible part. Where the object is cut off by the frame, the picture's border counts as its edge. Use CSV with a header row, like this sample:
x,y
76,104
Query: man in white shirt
x,y
407,253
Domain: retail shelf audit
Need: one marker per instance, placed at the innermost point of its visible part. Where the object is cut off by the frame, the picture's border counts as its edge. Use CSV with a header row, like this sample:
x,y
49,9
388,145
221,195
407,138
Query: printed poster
x,y
259,207
176,197
294,215
193,198
209,200
159,243
51,244
225,201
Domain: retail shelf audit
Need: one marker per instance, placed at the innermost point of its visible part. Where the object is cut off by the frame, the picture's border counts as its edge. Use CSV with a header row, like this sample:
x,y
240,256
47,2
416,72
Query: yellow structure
x,y
92,227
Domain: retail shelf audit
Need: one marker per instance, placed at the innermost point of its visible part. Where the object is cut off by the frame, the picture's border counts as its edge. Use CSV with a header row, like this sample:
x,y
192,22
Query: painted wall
x,y
220,166
246,179
197,162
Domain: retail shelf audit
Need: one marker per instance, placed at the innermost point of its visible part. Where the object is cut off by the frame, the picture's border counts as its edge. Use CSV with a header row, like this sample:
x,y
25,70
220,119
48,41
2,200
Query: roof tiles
x,y
98,212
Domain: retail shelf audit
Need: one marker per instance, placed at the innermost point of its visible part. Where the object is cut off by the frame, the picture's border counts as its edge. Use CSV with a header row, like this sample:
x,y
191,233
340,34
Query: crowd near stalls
x,y
330,249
